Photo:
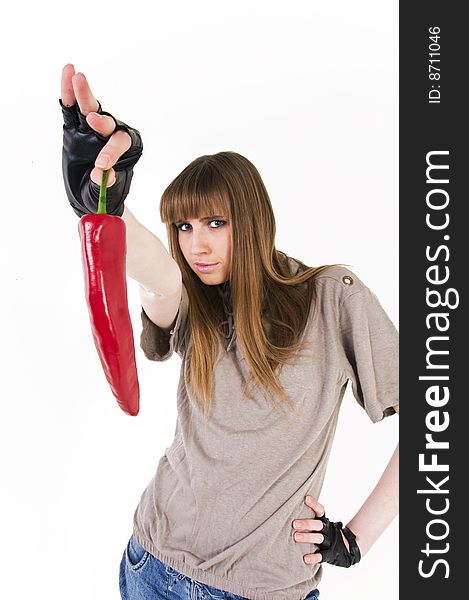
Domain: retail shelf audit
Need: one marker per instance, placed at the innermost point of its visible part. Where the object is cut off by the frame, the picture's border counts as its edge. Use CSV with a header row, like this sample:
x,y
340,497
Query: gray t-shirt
x,y
221,504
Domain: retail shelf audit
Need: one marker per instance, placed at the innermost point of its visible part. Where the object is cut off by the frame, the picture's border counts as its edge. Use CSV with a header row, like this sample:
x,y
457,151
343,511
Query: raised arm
x,y
95,141
157,273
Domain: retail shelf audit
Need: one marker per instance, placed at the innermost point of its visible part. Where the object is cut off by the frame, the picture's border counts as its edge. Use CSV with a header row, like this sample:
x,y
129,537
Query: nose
x,y
199,241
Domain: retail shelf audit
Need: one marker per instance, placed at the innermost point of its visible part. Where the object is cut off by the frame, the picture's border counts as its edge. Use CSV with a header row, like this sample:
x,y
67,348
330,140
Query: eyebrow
x,y
203,219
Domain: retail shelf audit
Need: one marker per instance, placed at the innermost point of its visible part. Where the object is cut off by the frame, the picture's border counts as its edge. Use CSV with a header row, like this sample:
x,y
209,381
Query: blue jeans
x,y
144,577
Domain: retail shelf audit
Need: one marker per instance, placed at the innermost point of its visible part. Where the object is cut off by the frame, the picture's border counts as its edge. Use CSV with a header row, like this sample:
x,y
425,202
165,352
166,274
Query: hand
x,y
336,544
94,141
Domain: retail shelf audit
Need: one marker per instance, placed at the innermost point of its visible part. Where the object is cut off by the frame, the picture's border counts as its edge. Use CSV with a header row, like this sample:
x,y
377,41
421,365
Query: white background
x,y
308,92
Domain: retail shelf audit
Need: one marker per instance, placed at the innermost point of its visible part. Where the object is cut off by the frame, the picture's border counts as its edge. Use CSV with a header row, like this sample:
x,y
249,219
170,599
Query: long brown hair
x,y
261,282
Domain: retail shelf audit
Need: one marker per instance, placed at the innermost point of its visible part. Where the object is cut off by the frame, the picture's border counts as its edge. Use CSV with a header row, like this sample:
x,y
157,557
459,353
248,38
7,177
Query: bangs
x,y
199,191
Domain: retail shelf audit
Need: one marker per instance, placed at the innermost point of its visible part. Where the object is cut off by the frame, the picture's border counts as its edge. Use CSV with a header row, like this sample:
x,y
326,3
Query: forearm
x,y
379,509
148,261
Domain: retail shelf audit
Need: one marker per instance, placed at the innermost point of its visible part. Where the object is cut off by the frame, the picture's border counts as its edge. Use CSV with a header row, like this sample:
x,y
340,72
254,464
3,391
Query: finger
x,y
315,505
309,538
312,559
119,143
101,123
97,175
67,93
308,524
86,101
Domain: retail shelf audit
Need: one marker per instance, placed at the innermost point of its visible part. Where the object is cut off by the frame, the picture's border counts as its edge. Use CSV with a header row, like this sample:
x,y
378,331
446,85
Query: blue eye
x,y
188,226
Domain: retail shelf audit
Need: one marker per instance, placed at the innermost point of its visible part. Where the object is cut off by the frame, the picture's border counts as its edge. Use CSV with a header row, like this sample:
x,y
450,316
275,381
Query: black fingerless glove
x,y
333,549
81,146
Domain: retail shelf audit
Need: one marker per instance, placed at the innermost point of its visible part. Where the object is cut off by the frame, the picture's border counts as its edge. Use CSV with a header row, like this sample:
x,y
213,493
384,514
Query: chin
x,y
208,279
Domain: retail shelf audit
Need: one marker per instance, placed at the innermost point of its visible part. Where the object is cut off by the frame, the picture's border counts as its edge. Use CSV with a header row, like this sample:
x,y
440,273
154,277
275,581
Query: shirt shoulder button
x,y
347,280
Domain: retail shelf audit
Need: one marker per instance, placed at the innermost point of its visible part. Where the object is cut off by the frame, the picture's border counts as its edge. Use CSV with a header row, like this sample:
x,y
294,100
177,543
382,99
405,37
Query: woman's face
x,y
206,245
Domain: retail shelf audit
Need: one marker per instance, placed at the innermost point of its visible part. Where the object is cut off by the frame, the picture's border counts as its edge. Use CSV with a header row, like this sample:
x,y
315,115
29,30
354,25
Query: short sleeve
x,y
371,345
158,344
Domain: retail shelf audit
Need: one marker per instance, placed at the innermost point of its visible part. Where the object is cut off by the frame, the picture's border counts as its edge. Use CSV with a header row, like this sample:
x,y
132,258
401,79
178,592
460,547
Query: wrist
x,y
360,539
345,540
354,549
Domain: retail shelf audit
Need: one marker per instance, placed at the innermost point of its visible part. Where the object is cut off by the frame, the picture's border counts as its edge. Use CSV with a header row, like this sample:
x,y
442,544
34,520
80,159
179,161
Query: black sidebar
x,y
434,330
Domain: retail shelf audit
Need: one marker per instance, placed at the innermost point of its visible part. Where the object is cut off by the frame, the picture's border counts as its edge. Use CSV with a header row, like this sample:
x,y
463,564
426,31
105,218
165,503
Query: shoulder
x,y
333,282
338,282
344,295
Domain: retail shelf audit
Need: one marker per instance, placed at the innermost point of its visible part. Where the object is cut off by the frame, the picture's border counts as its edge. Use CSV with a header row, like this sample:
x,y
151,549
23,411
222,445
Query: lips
x,y
205,267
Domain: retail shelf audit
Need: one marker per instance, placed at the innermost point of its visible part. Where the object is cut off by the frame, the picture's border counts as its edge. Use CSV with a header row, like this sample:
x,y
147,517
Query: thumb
x,y
96,176
103,124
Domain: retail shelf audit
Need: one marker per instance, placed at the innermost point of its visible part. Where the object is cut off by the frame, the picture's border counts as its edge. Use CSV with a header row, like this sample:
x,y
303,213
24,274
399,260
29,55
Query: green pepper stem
x,y
102,194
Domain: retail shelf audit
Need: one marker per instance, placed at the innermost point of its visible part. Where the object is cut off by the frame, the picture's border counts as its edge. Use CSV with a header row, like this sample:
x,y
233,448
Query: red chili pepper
x,y
103,243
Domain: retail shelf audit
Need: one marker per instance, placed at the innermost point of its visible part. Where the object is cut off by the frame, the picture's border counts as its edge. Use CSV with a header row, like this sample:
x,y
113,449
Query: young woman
x,y
267,346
